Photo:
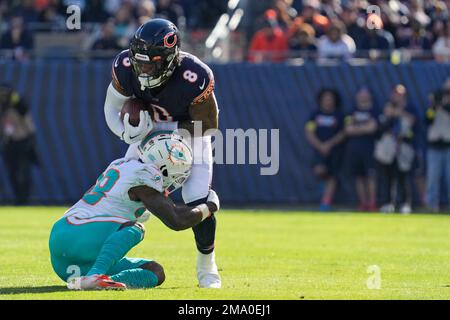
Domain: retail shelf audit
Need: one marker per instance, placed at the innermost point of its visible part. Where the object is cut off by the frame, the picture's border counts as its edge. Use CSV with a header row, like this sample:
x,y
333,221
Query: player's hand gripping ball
x,y
136,120
133,107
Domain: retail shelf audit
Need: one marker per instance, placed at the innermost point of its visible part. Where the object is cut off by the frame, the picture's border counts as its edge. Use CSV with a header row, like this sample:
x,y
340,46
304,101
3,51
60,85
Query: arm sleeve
x,y
113,104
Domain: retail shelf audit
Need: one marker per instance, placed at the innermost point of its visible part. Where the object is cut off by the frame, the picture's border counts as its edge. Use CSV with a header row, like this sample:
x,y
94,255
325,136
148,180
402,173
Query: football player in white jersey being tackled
x,y
88,245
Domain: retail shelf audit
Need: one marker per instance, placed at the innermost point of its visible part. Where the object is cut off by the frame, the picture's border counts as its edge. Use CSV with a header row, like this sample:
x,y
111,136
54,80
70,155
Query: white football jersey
x,y
108,199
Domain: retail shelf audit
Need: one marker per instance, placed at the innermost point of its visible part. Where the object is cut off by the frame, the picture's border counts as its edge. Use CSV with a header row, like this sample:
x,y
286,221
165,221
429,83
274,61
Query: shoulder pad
x,y
121,73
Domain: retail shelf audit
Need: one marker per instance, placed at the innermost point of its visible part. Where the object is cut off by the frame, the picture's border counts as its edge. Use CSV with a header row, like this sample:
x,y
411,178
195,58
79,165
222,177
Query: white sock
x,y
207,261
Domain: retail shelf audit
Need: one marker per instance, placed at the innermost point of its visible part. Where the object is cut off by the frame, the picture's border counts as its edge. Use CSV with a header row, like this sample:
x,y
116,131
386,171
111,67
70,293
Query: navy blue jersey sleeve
x,y
198,77
122,73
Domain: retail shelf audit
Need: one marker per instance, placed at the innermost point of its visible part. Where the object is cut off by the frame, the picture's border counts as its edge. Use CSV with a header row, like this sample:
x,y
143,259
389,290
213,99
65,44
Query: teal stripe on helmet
x,y
154,134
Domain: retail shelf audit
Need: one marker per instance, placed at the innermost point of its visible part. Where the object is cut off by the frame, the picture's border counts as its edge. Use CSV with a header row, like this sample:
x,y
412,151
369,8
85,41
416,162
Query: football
x,y
133,106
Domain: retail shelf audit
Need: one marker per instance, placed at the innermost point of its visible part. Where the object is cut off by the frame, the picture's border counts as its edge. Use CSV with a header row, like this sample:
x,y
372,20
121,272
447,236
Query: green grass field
x,y
261,255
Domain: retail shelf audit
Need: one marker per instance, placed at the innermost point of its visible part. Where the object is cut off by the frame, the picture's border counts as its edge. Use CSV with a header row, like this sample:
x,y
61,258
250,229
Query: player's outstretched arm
x,y
113,104
174,217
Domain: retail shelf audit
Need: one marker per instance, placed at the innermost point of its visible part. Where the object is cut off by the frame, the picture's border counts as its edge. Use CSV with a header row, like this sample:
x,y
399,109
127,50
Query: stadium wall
x,y
75,145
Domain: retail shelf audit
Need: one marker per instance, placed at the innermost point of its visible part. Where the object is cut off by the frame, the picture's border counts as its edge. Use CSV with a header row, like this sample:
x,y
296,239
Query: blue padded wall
x,y
75,145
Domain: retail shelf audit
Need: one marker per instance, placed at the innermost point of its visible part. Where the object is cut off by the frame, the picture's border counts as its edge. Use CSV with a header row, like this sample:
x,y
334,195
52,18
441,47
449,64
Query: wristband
x,y
204,210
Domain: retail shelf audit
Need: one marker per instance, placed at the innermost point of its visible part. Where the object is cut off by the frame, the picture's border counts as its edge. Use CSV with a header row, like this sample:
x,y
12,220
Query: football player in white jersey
x,y
89,243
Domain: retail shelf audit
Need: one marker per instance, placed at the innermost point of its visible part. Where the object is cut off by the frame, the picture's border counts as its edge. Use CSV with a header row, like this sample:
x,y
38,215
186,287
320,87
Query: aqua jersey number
x,y
104,184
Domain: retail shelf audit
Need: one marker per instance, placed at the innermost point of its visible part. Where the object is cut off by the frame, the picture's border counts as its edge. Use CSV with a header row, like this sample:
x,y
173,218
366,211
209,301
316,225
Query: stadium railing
x,y
68,47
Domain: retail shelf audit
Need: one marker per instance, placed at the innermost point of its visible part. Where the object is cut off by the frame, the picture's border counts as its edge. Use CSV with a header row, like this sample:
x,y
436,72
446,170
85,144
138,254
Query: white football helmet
x,y
171,154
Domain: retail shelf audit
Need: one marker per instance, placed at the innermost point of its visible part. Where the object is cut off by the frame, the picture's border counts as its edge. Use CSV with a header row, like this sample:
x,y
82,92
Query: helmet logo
x,y
167,42
176,153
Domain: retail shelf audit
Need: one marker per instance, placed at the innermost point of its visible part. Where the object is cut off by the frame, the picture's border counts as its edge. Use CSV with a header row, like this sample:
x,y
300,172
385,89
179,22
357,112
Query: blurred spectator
x,y
111,6
302,42
377,39
324,132
60,6
311,14
354,24
51,16
437,29
395,152
360,128
331,8
95,11
107,40
414,37
17,142
3,12
438,11
125,26
392,16
438,154
417,13
145,10
441,48
284,12
17,38
24,9
268,44
169,10
336,43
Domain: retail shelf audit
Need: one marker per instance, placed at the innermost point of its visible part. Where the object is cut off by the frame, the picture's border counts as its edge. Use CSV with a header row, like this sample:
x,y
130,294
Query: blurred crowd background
x,y
399,149
262,30
396,157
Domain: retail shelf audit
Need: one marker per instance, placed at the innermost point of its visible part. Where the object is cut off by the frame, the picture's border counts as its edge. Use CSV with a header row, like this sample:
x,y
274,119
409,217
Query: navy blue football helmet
x,y
155,52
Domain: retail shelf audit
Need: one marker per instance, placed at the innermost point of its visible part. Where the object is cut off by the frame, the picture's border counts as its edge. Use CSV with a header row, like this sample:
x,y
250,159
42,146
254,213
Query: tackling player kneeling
x,y
95,234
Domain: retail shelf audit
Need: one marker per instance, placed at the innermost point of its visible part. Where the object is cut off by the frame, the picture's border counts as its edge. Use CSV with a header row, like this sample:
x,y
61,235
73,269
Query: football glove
x,y
214,198
134,134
